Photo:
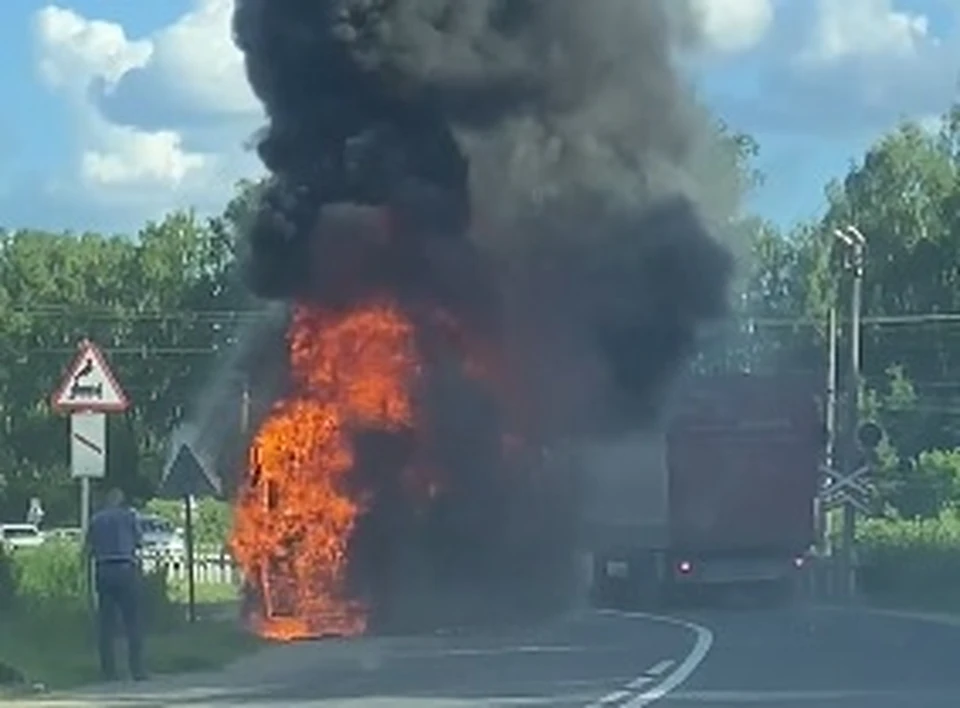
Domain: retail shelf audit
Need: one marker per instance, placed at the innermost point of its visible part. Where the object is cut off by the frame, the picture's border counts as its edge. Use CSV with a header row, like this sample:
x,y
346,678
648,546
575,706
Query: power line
x,y
906,319
198,316
143,352
253,314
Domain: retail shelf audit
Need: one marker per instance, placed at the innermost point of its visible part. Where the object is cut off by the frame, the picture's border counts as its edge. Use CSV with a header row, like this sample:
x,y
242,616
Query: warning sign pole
x,y
88,391
88,455
84,506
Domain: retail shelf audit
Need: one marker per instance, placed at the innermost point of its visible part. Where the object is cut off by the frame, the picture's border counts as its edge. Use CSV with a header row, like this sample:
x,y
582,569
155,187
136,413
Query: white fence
x,y
208,568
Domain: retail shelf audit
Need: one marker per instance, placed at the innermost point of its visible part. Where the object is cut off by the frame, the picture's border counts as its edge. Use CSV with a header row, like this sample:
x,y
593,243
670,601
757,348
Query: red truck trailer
x,y
720,494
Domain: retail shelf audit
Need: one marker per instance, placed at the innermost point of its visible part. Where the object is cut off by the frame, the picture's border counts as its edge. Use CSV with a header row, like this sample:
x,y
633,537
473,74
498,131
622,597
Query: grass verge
x,y
942,603
57,647
205,593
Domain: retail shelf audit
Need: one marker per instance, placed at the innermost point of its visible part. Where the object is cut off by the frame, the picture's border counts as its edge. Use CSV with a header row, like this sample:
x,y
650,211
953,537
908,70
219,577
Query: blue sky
x,y
119,111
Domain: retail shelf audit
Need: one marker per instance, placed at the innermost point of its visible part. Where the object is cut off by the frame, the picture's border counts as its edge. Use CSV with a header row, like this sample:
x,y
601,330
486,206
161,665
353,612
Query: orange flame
x,y
295,513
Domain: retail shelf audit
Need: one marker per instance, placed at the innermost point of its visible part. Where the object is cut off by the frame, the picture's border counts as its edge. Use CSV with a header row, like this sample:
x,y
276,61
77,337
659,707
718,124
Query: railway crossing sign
x,y
853,488
88,391
89,385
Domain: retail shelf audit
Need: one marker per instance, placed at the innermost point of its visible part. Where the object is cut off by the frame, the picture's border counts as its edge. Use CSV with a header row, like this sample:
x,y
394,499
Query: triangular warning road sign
x,y
188,476
89,385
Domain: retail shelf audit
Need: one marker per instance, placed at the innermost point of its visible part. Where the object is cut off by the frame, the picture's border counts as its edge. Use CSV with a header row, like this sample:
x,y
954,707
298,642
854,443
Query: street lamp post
x,y
856,244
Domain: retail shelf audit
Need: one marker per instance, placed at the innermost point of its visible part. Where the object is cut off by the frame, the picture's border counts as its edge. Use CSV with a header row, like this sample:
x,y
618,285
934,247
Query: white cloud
x,y
195,68
73,50
886,63
197,55
867,29
140,158
845,68
134,151
733,26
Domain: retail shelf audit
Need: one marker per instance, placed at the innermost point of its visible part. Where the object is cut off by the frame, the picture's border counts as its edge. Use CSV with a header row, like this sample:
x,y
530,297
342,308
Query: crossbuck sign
x,y
853,488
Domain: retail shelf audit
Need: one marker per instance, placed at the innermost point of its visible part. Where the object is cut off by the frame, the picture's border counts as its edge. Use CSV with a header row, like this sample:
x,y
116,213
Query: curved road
x,y
800,657
825,658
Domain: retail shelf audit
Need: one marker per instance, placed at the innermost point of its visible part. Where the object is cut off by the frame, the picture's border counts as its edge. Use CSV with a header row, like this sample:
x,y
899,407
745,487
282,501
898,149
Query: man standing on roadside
x,y
111,544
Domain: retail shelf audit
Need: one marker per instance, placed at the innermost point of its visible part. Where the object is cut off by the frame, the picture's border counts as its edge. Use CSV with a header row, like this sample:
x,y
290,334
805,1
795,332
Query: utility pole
x,y
854,239
244,405
830,419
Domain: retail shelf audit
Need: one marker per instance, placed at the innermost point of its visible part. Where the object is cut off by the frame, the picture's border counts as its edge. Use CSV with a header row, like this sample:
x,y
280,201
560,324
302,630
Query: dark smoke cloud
x,y
558,124
528,164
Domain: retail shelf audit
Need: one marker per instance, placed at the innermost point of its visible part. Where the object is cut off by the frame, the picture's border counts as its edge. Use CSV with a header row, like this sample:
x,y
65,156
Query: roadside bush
x,y
214,518
169,509
913,562
7,581
924,487
159,610
211,519
49,578
49,637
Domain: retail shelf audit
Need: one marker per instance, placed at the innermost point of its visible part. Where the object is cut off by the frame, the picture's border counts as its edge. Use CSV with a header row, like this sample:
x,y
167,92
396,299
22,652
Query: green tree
x,y
931,484
211,520
160,305
770,289
904,197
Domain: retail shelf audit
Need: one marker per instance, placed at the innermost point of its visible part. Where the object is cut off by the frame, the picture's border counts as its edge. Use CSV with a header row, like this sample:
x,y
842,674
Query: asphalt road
x,y
823,658
569,663
787,658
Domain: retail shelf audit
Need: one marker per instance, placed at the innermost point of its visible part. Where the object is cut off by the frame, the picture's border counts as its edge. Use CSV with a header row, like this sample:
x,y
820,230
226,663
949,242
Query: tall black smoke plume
x,y
531,163
575,124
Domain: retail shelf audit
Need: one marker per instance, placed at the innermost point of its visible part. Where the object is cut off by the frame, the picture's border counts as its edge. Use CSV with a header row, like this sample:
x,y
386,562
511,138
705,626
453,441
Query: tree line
x,y
162,304
165,303
904,196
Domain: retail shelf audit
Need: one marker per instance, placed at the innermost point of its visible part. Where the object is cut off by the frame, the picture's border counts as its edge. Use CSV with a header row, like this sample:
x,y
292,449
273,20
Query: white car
x,y
63,535
160,536
15,536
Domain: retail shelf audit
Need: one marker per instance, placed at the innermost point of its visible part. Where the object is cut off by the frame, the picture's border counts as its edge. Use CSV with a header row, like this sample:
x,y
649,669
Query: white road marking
x,y
640,682
672,680
610,699
660,668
